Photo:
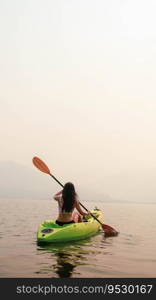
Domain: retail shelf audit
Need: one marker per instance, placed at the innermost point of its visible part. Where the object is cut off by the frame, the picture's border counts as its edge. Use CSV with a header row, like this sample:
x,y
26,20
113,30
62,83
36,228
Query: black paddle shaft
x,y
79,202
57,180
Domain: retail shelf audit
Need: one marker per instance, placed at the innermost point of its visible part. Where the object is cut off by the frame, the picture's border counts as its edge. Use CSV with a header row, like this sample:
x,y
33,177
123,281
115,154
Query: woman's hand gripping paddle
x,y
39,164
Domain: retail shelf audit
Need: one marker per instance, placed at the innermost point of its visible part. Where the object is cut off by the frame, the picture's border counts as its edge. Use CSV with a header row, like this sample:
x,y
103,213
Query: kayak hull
x,y
50,232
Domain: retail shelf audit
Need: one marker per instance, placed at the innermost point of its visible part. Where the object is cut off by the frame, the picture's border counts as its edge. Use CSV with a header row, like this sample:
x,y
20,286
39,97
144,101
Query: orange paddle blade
x,y
109,231
39,164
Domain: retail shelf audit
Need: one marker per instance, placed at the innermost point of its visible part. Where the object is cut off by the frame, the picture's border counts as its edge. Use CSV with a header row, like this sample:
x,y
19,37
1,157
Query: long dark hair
x,y
69,196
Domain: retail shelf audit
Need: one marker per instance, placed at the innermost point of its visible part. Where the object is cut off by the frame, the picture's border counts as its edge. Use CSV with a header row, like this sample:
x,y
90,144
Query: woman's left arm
x,y
58,195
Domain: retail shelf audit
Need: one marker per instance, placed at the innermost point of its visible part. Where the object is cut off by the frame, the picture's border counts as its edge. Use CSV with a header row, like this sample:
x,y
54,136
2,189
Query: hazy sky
x,y
78,89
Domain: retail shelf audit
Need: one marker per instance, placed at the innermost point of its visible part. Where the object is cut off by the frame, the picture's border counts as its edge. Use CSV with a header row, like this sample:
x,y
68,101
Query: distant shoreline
x,y
90,201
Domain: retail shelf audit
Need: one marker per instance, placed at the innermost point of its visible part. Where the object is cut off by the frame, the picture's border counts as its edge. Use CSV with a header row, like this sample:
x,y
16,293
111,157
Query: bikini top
x,y
60,205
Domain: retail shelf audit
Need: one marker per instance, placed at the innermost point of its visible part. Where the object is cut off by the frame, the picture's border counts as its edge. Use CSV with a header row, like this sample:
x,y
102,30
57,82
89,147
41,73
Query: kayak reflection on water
x,y
65,258
65,264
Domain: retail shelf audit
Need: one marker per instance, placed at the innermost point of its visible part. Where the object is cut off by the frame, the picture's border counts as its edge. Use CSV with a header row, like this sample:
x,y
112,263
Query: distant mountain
x,y
19,181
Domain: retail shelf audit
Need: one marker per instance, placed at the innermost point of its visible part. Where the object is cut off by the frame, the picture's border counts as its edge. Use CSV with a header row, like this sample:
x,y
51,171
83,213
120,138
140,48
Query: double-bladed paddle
x,y
39,164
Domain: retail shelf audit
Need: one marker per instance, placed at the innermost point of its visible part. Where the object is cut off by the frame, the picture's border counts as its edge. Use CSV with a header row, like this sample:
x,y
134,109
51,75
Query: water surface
x,y
130,254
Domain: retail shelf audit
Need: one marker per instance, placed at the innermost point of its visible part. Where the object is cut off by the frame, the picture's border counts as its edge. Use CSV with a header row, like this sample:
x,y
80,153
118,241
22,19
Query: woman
x,y
67,202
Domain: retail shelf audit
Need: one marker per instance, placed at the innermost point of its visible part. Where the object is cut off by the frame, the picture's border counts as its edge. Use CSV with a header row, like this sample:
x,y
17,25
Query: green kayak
x,y
50,232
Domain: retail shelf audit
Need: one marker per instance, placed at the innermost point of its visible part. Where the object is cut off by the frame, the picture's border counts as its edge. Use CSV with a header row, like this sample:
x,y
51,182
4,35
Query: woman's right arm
x,y
58,195
77,206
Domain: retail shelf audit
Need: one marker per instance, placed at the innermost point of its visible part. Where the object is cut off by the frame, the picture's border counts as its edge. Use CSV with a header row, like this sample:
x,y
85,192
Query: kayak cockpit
x,y
49,231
